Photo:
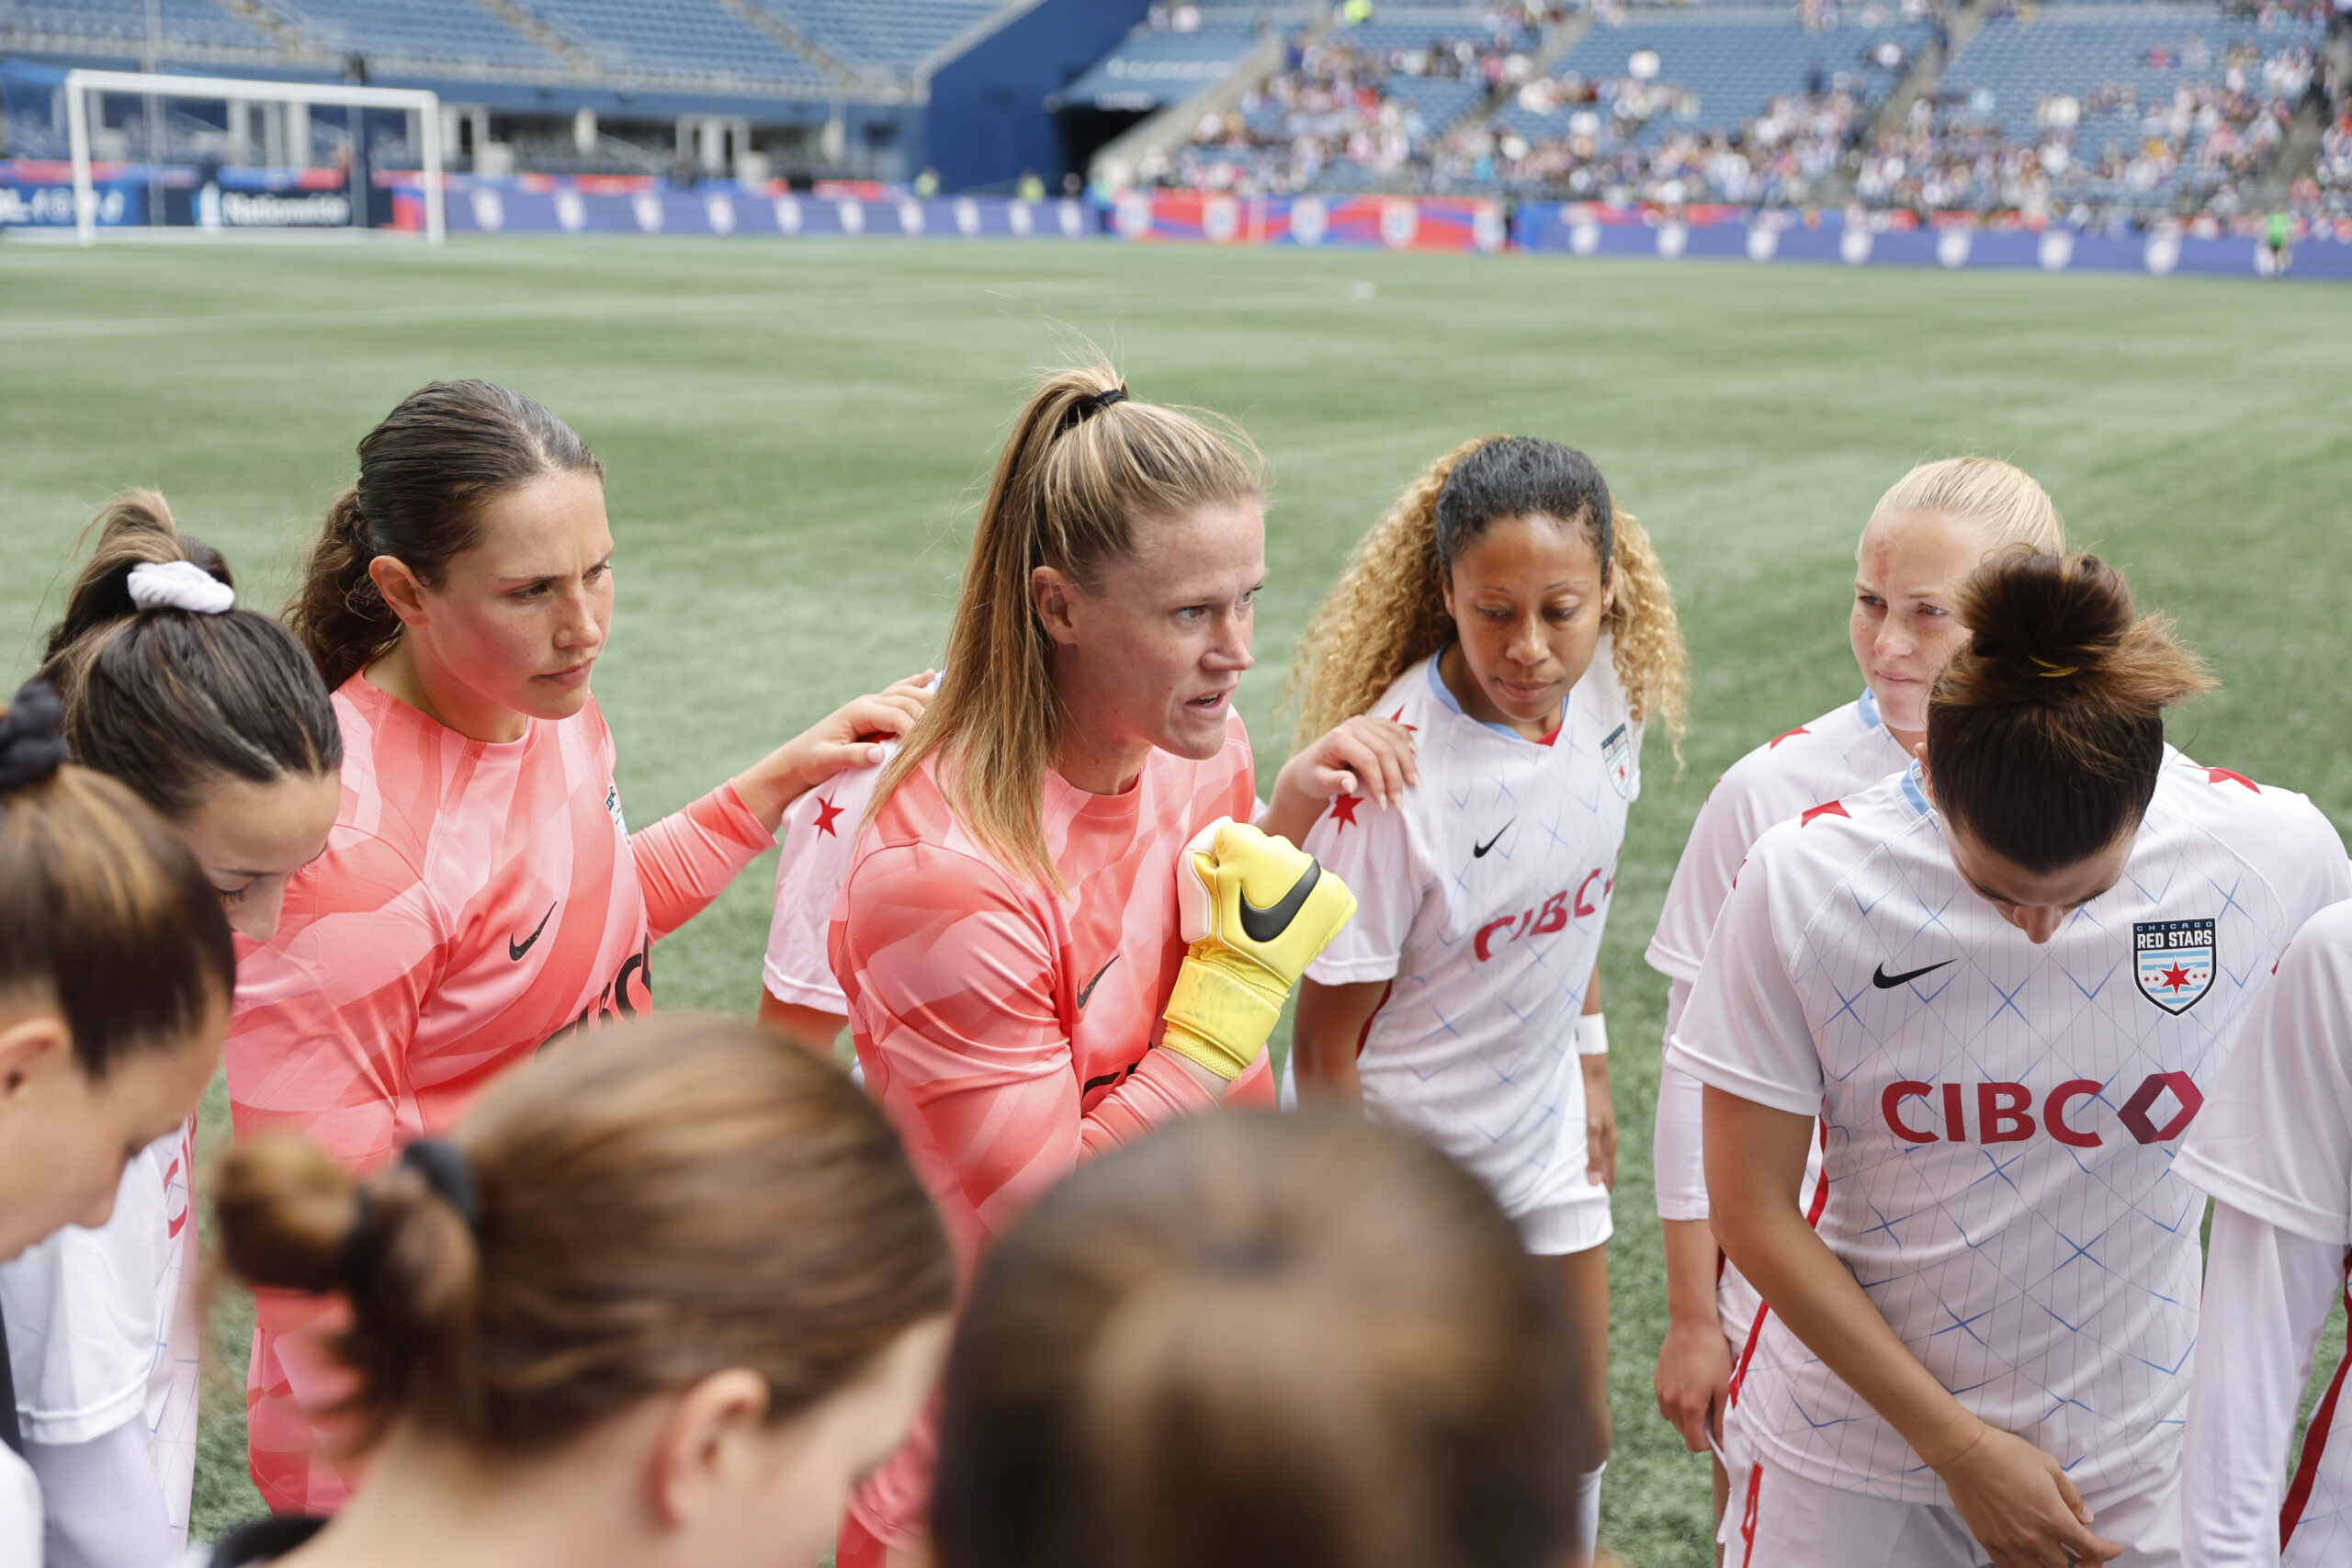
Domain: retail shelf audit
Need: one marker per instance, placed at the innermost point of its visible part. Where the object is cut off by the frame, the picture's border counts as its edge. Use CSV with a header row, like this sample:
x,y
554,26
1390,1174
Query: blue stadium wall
x,y
987,121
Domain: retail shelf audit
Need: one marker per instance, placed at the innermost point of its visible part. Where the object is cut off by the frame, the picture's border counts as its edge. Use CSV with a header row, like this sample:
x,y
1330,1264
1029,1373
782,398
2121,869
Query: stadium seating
x,y
893,36
1156,63
2141,110
1362,106
691,37
459,32
1723,103
119,26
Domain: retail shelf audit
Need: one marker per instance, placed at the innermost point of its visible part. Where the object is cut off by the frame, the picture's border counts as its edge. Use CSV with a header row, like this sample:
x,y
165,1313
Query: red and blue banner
x,y
1339,222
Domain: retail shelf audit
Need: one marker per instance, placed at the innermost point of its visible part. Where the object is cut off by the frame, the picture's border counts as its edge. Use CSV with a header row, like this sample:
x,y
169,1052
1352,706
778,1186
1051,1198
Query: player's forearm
x,y
2267,1297
1692,1258
1756,1159
1326,1028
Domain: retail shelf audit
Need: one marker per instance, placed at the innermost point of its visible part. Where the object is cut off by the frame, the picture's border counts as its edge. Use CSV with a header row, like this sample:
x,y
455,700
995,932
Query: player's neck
x,y
1454,671
411,675
432,1503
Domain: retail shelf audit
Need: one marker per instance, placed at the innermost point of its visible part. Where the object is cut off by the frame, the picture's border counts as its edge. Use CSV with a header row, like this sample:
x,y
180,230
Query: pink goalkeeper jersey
x,y
476,901
1007,1029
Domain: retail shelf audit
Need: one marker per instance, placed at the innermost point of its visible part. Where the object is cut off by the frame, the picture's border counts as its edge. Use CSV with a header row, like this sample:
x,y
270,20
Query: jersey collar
x,y
1867,704
1444,693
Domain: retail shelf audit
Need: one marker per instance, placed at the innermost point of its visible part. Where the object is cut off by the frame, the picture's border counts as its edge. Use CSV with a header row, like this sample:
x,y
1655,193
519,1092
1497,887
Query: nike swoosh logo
x,y
1267,924
515,949
1096,981
1886,982
1478,851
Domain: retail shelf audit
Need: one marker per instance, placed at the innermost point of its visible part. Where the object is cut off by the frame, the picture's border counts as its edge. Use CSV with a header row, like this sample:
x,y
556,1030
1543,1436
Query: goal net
x,y
159,153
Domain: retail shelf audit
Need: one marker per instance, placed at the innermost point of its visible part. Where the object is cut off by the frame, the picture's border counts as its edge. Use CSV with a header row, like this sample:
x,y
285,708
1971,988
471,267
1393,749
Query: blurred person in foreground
x,y
1253,1341
661,1296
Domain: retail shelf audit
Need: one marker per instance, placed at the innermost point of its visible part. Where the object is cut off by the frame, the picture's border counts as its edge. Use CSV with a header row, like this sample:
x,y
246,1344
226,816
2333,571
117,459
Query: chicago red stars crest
x,y
2172,961
1617,758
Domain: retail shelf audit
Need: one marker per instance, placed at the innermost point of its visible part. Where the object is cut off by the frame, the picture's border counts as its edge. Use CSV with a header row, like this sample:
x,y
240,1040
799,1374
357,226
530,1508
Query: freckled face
x,y
1903,627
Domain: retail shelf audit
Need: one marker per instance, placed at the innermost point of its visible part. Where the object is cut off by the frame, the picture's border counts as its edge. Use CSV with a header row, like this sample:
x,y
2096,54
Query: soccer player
x,y
1927,533
481,895
116,971
2006,980
658,1298
1511,617
215,718
1259,1342
1042,938
2274,1149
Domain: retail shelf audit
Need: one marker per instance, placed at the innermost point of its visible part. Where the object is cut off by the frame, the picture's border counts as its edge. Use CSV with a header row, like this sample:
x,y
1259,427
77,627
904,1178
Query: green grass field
x,y
796,434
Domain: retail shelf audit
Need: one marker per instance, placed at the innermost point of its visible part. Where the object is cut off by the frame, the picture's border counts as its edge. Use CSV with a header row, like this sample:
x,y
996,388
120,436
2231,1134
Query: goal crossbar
x,y
79,85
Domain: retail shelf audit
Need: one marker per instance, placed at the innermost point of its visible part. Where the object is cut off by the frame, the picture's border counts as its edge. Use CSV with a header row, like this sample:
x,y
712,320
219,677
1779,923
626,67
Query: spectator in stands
x,y
1254,1342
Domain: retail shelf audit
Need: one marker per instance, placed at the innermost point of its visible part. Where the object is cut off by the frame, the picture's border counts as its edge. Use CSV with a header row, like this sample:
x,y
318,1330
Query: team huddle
x,y
1977,991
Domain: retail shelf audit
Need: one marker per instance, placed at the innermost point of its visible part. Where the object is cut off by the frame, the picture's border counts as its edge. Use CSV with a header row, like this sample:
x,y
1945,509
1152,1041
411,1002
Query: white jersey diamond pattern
x,y
1482,897
2000,1127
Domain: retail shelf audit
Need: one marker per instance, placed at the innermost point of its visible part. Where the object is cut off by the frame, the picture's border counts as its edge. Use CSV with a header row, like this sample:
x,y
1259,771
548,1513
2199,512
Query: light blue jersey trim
x,y
1867,705
1913,793
1445,695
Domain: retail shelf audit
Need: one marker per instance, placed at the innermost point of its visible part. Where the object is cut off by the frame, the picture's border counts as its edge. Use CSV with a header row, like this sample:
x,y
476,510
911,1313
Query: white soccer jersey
x,y
2274,1143
1481,895
2001,1117
819,836
103,1334
1841,753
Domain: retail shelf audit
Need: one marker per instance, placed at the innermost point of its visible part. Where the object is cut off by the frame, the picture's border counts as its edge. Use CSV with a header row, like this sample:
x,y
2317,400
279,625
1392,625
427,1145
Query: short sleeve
x,y
2274,1138
1745,1031
1369,848
820,838
1702,880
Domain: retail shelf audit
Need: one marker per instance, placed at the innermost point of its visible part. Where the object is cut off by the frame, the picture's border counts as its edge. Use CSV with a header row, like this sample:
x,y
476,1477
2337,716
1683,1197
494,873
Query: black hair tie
x,y
32,742
446,1171
1086,408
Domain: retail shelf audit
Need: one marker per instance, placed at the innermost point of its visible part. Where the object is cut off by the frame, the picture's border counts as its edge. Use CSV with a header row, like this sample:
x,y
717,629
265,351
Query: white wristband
x,y
1592,1035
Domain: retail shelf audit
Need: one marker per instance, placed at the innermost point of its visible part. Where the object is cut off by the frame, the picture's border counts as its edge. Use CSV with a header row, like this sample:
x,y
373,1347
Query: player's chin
x,y
551,701
1196,731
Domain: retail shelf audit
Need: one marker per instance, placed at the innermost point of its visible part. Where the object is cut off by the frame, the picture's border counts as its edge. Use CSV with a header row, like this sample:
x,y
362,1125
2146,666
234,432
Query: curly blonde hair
x,y
1388,609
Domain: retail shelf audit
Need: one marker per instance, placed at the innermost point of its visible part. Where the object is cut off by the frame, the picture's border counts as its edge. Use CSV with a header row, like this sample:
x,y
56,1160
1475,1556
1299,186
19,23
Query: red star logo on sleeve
x,y
1399,717
2176,978
2219,775
827,815
1344,810
1785,735
1826,808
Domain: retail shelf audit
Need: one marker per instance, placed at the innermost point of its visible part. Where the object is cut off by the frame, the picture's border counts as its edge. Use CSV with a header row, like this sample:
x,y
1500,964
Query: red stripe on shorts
x,y
2315,1443
1756,1331
1748,1515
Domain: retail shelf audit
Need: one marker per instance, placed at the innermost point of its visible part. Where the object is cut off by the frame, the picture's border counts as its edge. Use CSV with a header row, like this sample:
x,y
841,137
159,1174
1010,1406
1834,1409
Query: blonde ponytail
x,y
1084,465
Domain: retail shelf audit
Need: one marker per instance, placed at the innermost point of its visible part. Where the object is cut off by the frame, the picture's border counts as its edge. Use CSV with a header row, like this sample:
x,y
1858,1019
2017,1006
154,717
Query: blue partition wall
x,y
988,120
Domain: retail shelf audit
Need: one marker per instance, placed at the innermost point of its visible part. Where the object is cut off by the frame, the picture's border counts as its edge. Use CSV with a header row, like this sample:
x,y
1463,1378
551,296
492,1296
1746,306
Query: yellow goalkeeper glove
x,y
1257,912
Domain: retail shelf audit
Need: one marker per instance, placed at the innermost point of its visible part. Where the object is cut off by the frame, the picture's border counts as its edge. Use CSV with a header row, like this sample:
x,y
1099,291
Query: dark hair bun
x,y
2035,620
32,745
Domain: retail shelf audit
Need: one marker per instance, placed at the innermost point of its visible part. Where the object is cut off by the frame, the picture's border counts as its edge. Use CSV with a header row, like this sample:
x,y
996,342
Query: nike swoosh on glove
x,y
1257,911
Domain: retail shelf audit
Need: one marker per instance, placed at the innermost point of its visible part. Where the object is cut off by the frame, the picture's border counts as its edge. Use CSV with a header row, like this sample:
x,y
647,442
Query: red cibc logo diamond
x,y
2186,1099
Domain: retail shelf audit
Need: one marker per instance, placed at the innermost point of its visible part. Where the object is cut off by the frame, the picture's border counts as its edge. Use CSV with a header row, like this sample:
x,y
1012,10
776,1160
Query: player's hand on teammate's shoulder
x,y
1363,755
849,737
2020,1505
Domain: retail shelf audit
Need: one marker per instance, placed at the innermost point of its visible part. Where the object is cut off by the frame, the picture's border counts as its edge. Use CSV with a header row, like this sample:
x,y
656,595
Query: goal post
x,y
79,86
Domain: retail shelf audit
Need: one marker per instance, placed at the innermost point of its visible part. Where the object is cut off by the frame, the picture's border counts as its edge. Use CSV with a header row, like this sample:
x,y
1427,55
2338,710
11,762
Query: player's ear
x,y
31,1043
1927,781
700,1452
400,588
1051,594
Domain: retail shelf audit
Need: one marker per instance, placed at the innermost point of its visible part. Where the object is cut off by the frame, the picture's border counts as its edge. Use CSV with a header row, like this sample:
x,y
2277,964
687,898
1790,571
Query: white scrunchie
x,y
179,585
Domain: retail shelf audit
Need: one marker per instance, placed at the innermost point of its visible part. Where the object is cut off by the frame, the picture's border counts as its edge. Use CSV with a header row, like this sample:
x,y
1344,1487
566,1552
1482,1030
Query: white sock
x,y
1587,1487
